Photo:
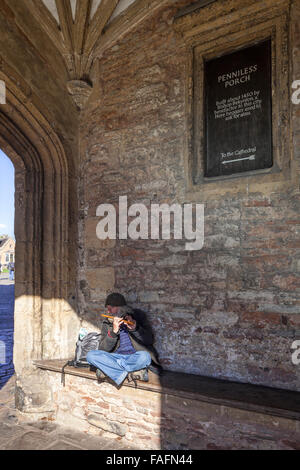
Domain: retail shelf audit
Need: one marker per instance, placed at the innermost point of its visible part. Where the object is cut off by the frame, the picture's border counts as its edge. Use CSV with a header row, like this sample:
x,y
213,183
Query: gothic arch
x,y
42,312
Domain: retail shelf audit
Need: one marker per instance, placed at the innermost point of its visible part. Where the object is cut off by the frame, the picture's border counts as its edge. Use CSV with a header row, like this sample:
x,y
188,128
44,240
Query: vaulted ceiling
x,y
82,29
65,37
75,26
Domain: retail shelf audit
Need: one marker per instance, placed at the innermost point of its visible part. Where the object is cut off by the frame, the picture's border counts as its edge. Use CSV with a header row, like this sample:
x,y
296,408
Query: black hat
x,y
115,300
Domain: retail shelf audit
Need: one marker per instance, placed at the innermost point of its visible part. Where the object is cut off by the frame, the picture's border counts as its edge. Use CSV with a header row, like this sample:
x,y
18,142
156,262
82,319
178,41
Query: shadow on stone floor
x,y
17,434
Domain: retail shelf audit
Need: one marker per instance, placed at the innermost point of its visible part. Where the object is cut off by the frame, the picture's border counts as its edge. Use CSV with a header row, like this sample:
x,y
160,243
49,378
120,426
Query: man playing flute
x,y
125,347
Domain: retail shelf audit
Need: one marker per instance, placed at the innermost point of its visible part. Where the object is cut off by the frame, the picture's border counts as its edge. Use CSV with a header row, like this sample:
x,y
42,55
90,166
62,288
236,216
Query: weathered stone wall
x,y
230,310
148,420
34,65
37,98
39,133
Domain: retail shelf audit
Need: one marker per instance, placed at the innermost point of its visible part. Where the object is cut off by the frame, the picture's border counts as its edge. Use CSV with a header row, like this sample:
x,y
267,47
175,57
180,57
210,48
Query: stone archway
x,y
43,316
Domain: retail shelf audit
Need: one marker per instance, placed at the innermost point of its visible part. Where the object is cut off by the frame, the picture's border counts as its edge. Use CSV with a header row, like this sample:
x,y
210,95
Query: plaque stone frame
x,y
248,25
238,114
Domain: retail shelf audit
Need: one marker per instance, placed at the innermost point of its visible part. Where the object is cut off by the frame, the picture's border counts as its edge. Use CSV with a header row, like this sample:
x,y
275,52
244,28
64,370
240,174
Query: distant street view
x,y
7,288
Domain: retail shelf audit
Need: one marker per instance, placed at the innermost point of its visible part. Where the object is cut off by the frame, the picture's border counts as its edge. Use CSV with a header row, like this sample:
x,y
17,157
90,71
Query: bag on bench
x,y
85,343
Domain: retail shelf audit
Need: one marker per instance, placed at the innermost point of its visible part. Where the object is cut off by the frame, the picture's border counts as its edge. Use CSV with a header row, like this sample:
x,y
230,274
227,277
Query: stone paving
x,y
16,434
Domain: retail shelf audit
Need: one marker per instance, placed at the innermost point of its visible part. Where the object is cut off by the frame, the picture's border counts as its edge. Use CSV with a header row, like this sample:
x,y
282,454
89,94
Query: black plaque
x,y
238,111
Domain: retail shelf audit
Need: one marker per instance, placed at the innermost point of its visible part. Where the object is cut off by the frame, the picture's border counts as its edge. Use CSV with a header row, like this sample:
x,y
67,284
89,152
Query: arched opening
x,y
7,268
43,316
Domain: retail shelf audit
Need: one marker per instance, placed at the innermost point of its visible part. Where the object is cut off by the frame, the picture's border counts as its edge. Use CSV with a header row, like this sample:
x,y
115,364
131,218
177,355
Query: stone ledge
x,y
256,398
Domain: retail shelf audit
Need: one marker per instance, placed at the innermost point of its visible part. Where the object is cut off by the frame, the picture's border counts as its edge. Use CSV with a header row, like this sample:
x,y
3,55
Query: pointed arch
x,y
42,310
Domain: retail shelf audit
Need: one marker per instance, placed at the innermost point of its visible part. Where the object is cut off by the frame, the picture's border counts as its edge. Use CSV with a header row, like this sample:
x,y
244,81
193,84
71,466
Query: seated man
x,y
124,348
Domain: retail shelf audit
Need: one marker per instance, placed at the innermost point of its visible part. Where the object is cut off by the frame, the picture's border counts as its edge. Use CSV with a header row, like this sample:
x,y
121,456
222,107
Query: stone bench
x,y
176,410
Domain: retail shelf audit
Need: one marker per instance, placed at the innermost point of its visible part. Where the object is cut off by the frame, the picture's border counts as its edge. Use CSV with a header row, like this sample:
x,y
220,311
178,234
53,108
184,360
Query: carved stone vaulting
x,y
82,29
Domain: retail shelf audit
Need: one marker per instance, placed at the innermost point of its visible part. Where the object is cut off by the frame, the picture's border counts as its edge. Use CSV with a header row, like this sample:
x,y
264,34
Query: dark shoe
x,y
156,369
100,375
141,375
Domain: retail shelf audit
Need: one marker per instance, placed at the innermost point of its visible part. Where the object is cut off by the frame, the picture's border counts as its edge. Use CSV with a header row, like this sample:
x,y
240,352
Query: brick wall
x,y
148,420
230,310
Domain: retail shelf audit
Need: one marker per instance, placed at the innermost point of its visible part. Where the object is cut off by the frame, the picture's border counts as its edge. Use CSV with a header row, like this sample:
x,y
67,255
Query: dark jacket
x,y
141,339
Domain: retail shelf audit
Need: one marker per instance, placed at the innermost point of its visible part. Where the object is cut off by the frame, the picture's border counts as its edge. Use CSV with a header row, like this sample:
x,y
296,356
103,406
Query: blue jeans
x,y
116,366
11,275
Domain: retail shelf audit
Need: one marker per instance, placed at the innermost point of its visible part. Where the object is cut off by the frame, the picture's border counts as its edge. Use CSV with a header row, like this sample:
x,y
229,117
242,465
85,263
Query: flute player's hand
x,y
132,326
116,324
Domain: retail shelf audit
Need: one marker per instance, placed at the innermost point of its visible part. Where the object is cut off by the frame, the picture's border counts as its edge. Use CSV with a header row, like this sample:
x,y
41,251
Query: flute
x,y
110,316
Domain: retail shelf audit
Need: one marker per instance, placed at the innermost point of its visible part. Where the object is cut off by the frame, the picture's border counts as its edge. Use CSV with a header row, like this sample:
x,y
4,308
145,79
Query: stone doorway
x,y
42,313
7,294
